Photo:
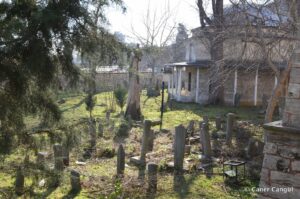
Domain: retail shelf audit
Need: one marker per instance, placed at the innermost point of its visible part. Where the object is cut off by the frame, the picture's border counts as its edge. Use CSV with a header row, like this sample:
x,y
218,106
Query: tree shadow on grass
x,y
71,194
181,185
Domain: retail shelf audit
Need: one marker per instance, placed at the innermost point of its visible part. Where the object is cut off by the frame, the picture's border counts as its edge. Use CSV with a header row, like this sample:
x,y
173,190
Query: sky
x,y
184,11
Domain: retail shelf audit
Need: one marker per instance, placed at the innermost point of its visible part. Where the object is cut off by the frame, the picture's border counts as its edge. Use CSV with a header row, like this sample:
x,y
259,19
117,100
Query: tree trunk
x,y
278,91
217,55
133,108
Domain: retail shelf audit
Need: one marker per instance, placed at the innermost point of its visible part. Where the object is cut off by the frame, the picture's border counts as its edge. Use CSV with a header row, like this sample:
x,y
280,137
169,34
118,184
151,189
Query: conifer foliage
x,y
37,38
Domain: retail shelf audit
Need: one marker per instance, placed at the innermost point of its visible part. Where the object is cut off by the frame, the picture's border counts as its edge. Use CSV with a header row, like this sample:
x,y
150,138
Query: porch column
x,y
235,86
172,84
275,81
197,86
169,82
176,82
255,87
179,84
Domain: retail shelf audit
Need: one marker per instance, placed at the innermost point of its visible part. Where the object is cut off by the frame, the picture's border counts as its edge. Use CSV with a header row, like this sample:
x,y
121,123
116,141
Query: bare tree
x,y
216,46
133,108
261,33
158,30
273,34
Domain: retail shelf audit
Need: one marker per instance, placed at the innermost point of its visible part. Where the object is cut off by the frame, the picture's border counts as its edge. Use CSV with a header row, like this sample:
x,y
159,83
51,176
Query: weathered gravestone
x,y
75,181
58,157
145,141
151,140
120,160
93,134
152,178
66,155
19,183
179,147
205,141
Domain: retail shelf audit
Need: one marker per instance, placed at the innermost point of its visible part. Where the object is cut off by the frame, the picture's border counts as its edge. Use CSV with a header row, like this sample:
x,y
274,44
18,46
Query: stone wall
x,y
281,166
109,81
246,86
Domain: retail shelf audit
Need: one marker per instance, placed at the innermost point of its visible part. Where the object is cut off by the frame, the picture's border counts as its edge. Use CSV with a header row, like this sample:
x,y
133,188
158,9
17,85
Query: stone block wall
x,y
280,175
109,81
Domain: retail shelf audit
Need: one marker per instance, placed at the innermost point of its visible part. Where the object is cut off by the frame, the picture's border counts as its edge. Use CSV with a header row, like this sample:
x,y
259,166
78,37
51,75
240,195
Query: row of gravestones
x,y
61,158
179,148
147,145
59,165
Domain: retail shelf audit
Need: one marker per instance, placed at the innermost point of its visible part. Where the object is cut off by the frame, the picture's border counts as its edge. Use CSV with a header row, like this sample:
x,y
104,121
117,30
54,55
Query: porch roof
x,y
200,64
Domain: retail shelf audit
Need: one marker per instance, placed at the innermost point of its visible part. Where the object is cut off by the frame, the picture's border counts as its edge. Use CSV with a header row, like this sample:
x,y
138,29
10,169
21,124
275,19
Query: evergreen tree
x,y
37,39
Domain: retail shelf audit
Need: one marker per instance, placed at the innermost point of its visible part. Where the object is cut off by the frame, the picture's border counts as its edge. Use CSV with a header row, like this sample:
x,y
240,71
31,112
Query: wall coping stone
x,y
277,126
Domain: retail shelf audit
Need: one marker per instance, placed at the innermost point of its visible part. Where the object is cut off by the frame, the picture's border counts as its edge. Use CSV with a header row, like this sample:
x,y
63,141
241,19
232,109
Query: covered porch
x,y
188,82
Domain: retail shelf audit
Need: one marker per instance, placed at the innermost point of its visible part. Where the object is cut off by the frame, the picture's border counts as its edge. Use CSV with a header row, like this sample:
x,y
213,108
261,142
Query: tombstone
x,y
179,147
66,156
205,141
19,183
93,134
151,140
254,148
41,160
145,142
107,116
100,129
120,160
218,122
191,128
152,178
229,128
58,157
75,181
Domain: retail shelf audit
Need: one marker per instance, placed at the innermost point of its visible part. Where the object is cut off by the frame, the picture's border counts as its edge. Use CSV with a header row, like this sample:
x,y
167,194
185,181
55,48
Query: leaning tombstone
x,y
205,141
179,147
229,128
19,183
58,157
75,181
120,160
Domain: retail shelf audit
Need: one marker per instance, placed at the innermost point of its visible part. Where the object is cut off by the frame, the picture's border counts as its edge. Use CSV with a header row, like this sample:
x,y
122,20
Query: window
x,y
190,82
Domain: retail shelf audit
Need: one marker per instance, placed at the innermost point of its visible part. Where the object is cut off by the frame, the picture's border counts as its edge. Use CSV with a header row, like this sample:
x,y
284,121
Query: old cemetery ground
x,y
200,175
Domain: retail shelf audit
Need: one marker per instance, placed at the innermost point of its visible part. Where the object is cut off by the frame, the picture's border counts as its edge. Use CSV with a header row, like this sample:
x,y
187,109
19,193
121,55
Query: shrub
x,y
123,129
120,94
